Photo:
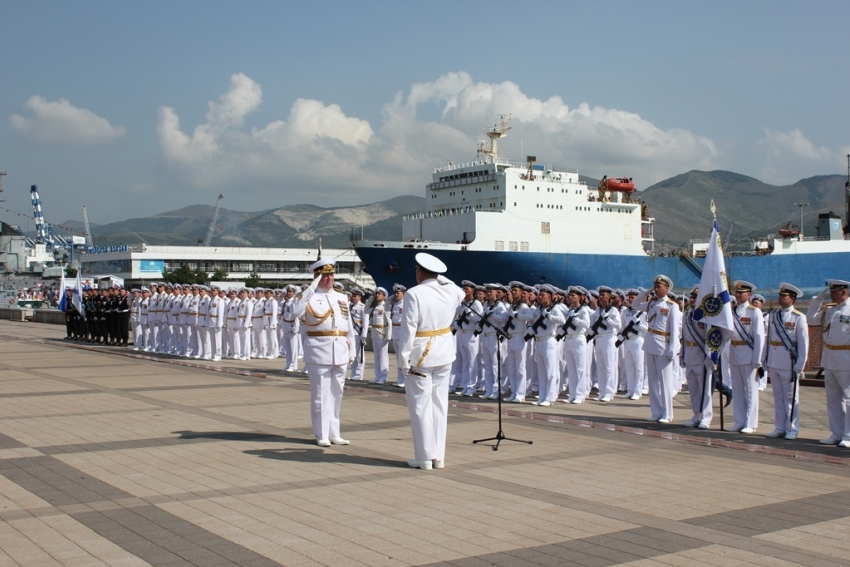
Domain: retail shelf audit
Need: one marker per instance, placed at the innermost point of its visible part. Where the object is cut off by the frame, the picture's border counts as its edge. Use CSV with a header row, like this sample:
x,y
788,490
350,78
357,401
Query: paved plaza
x,y
108,457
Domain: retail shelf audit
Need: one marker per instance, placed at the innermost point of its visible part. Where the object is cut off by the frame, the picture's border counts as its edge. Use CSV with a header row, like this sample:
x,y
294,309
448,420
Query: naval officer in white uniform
x,y
328,349
427,351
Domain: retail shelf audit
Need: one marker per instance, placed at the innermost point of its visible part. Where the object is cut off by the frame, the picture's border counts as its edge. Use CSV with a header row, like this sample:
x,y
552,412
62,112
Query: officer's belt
x,y
574,335
289,320
605,334
257,317
490,334
740,343
659,333
836,347
543,338
691,343
326,333
396,324
780,343
466,330
437,333
377,326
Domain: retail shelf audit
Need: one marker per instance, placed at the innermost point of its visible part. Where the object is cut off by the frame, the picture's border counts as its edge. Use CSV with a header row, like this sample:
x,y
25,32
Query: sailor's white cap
x,y
480,288
135,290
323,266
356,291
757,297
399,287
604,289
467,283
430,263
146,289
178,286
290,287
548,288
577,289
231,289
673,296
631,291
381,289
695,290
837,284
741,285
338,286
593,292
530,288
661,278
492,286
620,292
515,283
785,287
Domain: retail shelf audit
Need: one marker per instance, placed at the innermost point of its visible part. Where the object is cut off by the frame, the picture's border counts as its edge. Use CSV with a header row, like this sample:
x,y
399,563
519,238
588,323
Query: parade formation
x,y
536,344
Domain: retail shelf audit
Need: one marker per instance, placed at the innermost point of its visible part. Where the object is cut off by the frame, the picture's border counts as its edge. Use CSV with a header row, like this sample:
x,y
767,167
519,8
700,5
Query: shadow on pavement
x,y
318,455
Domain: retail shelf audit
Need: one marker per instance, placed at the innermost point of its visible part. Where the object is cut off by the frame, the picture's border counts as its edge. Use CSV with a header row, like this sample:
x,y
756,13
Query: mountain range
x,y
746,208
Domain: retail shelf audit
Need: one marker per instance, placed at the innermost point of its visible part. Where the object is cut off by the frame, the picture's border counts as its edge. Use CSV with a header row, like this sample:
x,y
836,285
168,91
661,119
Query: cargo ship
x,y
491,220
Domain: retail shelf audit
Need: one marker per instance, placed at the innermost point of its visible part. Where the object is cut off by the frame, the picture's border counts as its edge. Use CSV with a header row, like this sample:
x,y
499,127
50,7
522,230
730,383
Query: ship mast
x,y
494,133
847,198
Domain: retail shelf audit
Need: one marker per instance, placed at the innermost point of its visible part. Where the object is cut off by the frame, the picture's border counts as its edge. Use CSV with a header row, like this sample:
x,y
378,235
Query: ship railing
x,y
441,213
459,182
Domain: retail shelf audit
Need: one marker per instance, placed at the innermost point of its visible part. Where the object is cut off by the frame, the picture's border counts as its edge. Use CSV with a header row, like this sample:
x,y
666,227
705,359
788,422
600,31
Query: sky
x,y
138,108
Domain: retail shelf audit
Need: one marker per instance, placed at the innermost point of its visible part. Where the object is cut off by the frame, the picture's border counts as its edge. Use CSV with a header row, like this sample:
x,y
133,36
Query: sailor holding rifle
x,y
467,362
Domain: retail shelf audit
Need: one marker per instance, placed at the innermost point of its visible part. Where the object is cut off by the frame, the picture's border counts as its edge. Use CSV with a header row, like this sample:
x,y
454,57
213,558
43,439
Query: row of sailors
x,y
211,323
553,341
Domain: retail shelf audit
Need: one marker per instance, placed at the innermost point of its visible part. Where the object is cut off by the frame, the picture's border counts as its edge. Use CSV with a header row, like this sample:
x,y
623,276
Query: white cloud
x,y
60,122
319,150
790,156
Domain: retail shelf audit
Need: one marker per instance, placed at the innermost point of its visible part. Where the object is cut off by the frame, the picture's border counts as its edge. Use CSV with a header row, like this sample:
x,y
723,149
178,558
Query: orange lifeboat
x,y
623,184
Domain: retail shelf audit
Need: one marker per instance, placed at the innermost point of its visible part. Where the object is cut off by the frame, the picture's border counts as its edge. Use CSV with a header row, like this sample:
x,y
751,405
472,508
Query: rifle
x,y
566,328
461,320
539,323
483,320
600,324
630,329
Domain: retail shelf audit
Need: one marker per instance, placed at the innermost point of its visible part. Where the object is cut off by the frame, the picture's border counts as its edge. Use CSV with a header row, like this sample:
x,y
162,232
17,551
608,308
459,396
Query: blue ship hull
x,y
389,265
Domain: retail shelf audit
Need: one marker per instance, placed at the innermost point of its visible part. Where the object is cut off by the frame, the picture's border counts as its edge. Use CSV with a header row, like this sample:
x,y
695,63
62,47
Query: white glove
x,y
822,295
669,359
315,283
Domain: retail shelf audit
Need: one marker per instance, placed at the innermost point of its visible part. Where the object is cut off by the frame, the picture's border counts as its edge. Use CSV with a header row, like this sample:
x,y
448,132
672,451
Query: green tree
x,y
201,276
253,280
182,275
70,272
219,275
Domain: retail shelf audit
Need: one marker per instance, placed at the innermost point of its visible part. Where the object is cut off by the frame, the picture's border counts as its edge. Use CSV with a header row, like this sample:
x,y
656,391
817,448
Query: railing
x,y
440,213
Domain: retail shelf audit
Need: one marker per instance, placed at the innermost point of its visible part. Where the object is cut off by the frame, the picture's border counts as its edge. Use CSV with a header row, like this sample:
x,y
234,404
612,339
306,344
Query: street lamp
x,y
801,205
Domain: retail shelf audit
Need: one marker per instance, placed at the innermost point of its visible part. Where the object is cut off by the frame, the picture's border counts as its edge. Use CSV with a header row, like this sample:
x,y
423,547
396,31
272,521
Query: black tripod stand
x,y
500,435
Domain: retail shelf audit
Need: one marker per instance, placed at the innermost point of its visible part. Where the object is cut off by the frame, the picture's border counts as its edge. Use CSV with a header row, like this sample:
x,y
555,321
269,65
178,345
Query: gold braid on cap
x,y
325,270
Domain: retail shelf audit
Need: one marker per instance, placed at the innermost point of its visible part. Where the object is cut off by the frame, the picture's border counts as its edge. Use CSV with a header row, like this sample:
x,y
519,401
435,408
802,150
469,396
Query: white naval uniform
x,y
491,347
428,349
233,326
835,360
176,327
634,359
192,334
575,353
204,347
696,361
259,332
144,313
270,325
515,362
380,326
396,313
246,310
328,348
135,321
660,346
358,320
784,371
546,349
606,350
467,362
744,361
289,324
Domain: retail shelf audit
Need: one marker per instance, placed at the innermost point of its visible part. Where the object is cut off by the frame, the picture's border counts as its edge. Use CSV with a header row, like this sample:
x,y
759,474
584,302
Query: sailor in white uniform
x,y
380,326
358,320
289,325
835,357
757,300
606,323
663,319
328,349
633,364
427,352
745,357
575,344
520,316
696,360
547,318
396,312
785,355
466,364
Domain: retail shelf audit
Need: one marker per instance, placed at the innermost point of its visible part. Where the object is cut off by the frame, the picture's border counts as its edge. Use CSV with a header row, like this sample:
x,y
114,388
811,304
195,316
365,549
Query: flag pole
x,y
717,367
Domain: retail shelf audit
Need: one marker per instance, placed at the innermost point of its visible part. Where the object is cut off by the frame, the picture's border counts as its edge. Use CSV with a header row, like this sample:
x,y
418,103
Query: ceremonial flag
x,y
63,296
77,297
713,305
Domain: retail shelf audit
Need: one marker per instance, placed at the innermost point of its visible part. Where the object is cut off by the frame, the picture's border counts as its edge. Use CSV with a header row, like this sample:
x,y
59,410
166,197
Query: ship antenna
x,y
847,197
494,133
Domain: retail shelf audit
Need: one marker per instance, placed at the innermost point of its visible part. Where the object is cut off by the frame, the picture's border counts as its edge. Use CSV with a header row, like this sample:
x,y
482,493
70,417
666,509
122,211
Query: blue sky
x,y
136,108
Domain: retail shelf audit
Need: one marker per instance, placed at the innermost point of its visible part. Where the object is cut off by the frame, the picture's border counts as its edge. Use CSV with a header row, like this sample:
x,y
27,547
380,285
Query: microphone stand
x,y
500,435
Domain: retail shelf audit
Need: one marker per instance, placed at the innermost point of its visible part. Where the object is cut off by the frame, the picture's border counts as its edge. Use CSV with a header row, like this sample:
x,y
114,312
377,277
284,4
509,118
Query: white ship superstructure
x,y
492,204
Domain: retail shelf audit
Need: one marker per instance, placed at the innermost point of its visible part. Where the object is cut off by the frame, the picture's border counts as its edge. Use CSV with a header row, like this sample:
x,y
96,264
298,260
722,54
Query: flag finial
x,y
713,209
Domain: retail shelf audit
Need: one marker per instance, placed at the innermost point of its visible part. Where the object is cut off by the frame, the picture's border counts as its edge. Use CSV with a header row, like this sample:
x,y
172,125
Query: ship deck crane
x,y
206,241
42,234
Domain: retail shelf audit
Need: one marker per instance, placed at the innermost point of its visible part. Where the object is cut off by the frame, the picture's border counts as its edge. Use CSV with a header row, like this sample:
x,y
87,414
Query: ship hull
x,y
388,264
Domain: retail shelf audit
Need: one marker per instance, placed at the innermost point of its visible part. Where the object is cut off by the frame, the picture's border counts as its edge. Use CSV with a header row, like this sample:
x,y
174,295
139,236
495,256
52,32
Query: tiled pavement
x,y
108,458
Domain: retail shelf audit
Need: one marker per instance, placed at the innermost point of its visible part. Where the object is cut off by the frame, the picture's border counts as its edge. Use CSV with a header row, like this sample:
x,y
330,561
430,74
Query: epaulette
x,y
667,297
800,313
751,308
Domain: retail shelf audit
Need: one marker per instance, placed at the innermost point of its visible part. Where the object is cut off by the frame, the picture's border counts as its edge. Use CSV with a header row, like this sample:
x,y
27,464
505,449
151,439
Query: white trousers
x,y
466,365
259,342
137,335
634,361
745,395
659,376
398,361
428,403
546,356
326,384
515,366
606,365
382,359
837,386
245,339
235,346
784,397
699,391
203,343
489,352
290,349
575,351
215,341
189,340
272,346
